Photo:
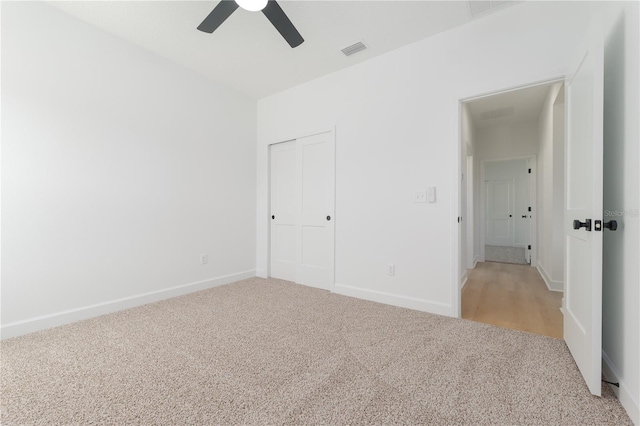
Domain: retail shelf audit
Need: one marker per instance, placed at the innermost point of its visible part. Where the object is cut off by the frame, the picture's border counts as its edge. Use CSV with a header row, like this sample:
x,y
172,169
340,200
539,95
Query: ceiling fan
x,y
270,8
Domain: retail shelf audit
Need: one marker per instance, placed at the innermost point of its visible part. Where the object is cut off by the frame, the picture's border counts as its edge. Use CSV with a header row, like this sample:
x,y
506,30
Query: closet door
x,y
302,210
284,208
316,188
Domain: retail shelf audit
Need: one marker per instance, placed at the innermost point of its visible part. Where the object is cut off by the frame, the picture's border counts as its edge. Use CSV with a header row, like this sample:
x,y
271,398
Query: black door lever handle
x,y
586,224
612,225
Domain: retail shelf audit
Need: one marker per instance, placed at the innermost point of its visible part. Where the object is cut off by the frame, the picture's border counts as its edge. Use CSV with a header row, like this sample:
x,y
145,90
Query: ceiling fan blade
x,y
279,19
218,15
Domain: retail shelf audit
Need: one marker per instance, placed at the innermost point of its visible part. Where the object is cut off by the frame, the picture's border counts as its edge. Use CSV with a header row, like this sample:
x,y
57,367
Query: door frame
x,y
332,131
457,100
533,196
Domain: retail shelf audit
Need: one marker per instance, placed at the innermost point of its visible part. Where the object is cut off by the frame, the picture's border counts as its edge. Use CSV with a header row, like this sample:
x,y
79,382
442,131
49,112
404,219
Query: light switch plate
x,y
431,194
391,269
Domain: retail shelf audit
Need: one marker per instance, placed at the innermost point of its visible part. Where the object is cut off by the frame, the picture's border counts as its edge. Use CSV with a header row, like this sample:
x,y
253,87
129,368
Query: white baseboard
x,y
261,273
551,284
627,400
463,279
31,325
395,300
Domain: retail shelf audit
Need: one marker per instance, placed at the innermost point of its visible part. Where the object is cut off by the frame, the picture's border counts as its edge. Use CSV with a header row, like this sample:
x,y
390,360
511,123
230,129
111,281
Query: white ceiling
x,y
248,54
517,106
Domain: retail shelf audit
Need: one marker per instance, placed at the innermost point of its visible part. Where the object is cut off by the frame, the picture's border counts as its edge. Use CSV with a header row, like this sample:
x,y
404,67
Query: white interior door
x,y
302,210
316,182
499,213
284,210
583,179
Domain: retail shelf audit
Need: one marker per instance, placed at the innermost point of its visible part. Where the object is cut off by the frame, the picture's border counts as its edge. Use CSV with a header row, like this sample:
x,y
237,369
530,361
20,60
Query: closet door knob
x,y
612,225
273,216
328,217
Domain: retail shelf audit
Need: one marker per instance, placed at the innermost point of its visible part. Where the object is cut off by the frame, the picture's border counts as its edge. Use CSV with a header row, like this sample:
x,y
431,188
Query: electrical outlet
x,y
204,259
391,269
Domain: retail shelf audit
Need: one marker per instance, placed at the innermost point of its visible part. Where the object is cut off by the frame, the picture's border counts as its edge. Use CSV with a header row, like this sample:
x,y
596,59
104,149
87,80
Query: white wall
x,y
550,190
557,241
396,119
621,270
118,170
507,141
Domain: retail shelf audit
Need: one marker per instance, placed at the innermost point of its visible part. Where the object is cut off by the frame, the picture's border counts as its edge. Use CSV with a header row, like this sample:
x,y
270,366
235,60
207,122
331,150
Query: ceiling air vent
x,y
354,48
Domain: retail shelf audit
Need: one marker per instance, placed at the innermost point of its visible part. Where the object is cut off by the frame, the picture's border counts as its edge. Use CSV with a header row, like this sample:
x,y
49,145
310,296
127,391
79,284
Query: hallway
x,y
512,296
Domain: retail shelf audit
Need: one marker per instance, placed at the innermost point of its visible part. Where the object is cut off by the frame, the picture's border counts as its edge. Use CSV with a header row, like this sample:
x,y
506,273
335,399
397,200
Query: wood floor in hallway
x,y
512,296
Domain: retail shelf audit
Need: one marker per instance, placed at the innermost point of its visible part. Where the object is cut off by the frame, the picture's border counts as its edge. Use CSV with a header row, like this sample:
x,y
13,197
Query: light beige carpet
x,y
272,352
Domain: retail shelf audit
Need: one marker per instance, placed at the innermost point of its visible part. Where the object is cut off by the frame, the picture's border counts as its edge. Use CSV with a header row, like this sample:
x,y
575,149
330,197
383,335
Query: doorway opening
x,y
511,248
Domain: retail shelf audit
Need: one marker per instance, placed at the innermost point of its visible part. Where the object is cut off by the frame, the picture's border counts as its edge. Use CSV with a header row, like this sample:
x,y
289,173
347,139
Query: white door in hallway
x,y
284,210
499,216
302,214
583,210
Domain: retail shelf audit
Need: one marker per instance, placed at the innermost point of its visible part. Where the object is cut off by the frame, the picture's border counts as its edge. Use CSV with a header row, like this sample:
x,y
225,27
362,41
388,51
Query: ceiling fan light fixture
x,y
252,5
272,11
